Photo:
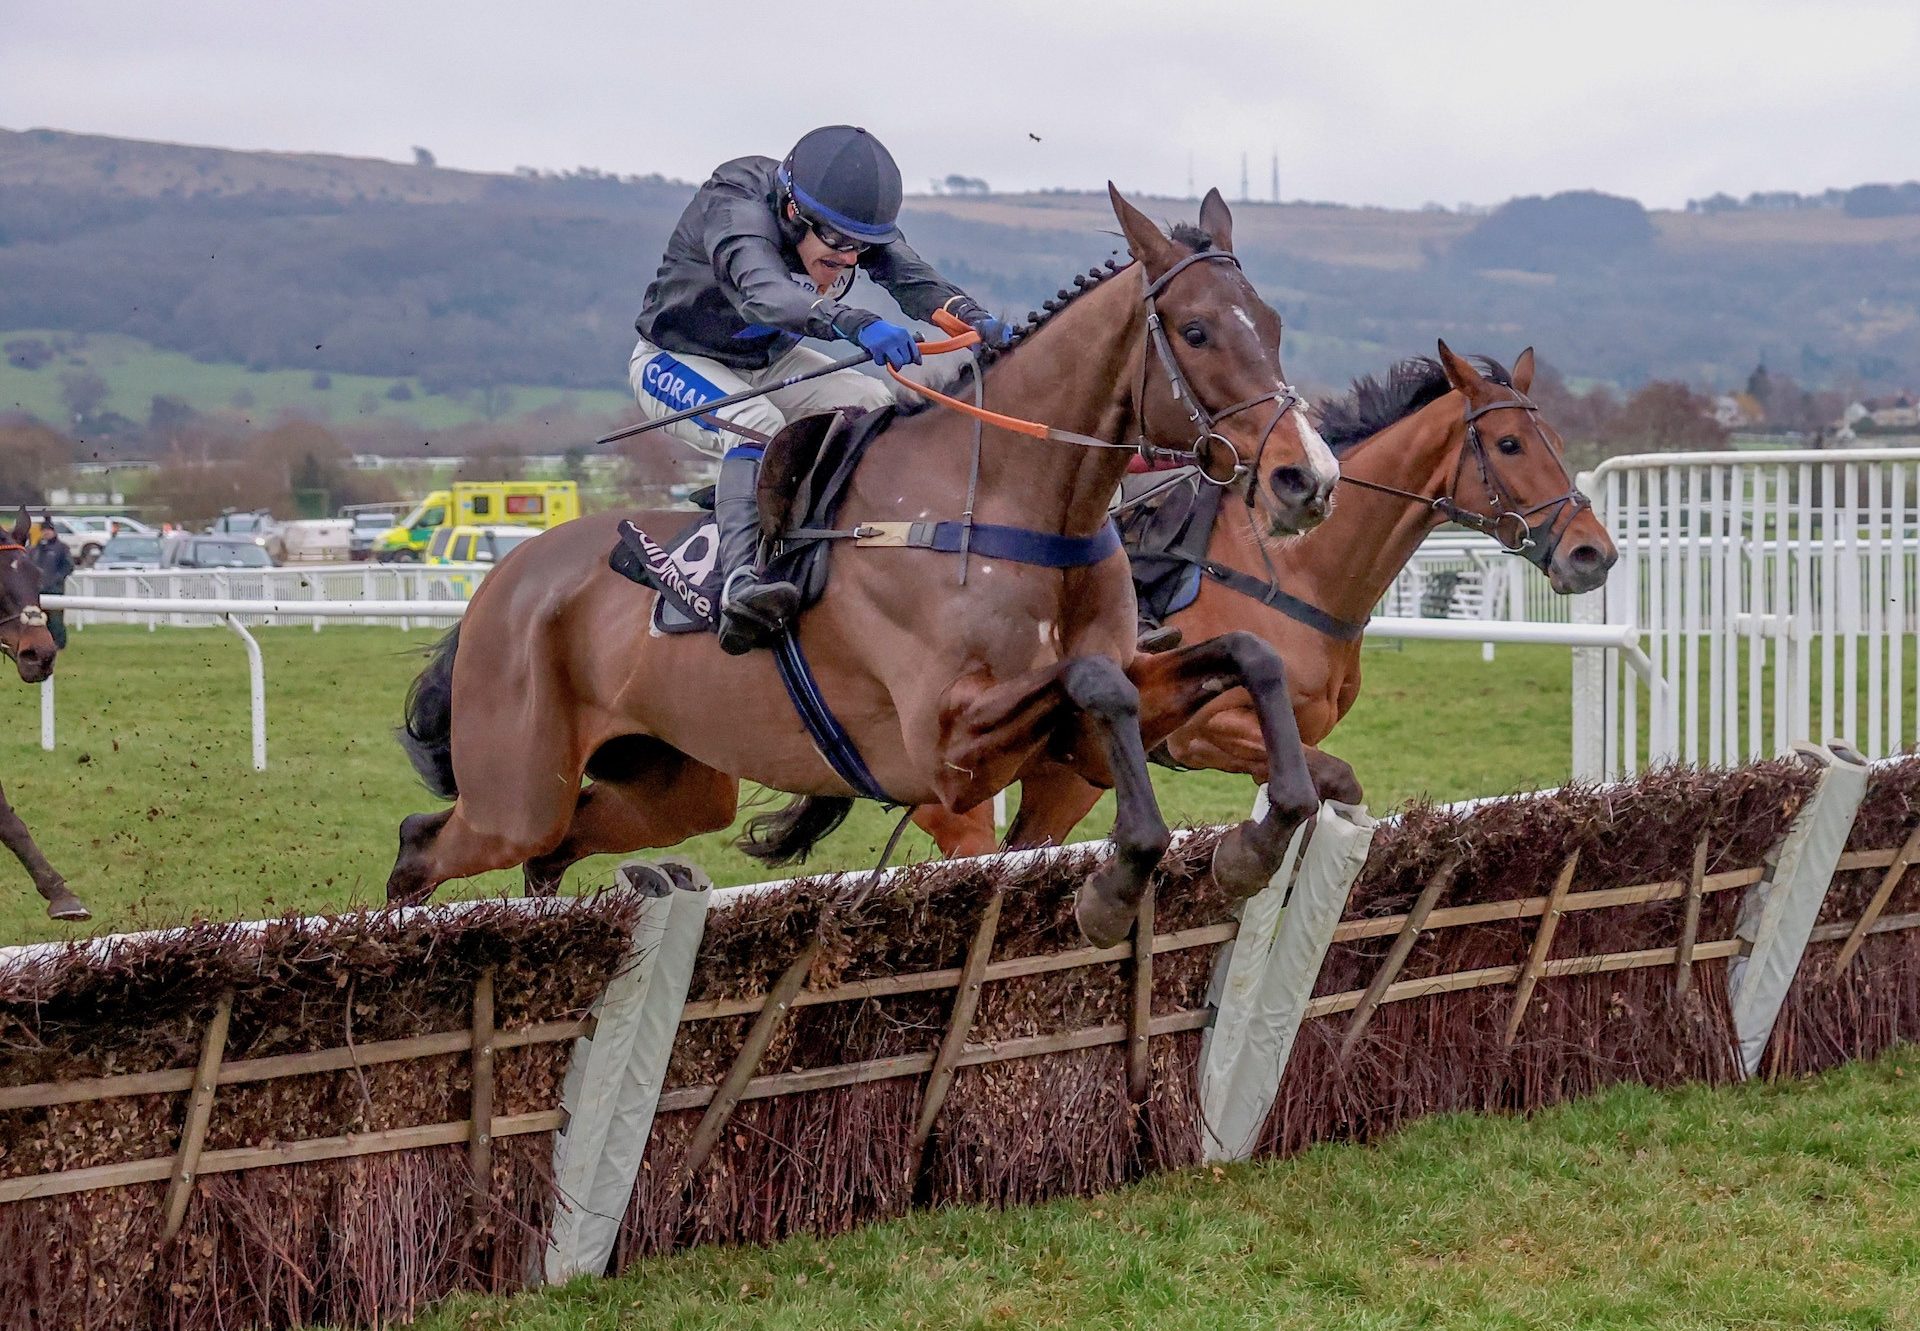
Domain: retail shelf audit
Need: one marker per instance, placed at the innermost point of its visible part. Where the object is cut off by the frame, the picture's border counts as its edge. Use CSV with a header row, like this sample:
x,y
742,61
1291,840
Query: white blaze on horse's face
x,y
1319,457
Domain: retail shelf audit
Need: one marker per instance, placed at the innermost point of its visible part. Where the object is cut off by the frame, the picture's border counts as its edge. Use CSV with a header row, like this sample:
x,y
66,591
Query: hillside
x,y
460,280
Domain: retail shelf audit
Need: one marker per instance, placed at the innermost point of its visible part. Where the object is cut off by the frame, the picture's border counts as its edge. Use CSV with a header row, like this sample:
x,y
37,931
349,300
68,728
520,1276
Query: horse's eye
x,y
1196,335
1509,445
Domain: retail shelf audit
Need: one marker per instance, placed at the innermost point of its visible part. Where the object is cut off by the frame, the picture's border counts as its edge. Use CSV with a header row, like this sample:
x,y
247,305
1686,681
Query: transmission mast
x,y
1244,198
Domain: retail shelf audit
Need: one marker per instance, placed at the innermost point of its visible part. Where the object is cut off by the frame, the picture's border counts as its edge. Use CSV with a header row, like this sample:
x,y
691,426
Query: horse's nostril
x,y
1292,483
1584,556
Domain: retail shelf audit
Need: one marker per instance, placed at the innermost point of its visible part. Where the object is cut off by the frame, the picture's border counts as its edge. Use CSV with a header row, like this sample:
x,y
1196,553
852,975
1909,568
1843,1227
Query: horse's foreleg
x,y
1174,685
1053,800
958,834
1229,740
62,904
660,806
1088,712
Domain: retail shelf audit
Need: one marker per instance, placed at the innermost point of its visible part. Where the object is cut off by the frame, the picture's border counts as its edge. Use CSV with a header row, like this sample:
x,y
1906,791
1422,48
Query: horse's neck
x,y
1346,565
1076,374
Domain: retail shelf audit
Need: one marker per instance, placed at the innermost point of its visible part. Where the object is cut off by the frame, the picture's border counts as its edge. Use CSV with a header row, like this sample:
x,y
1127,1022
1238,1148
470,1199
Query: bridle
x,y
1205,453
1518,530
1211,453
30,616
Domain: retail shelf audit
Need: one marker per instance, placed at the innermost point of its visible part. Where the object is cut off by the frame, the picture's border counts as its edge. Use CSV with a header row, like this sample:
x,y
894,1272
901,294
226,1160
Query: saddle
x,y
1166,539
804,475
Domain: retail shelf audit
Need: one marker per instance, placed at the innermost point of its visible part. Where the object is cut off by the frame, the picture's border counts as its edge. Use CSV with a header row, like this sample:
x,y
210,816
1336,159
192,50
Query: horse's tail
x,y
788,836
428,734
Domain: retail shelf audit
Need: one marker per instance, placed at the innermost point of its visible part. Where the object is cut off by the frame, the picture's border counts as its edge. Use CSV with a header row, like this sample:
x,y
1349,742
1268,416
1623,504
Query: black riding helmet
x,y
842,176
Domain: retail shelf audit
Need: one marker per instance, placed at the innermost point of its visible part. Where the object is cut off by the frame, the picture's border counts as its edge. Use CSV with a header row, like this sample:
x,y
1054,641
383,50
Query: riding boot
x,y
1151,637
753,612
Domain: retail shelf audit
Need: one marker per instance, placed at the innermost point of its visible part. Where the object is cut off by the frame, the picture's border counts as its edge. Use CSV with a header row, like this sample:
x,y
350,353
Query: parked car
x,y
367,527
476,545
191,551
311,541
129,550
258,525
84,537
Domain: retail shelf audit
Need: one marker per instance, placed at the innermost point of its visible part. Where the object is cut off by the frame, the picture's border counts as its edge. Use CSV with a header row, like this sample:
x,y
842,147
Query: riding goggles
x,y
829,235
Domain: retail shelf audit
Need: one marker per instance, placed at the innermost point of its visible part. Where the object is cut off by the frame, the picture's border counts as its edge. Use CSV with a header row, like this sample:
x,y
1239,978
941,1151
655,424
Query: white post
x,y
1590,701
257,686
613,1081
46,713
1777,914
1265,977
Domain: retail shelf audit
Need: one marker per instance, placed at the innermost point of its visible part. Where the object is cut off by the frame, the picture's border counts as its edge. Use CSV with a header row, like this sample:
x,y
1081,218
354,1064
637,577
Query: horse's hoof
x,y
648,879
1240,869
1104,919
67,908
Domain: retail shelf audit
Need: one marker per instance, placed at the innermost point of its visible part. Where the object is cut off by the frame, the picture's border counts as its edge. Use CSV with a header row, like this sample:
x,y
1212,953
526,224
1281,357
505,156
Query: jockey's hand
x,y
995,334
889,344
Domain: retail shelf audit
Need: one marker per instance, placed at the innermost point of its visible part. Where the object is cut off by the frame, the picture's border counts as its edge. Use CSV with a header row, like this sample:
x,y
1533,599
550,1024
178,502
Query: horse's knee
x,y
1097,684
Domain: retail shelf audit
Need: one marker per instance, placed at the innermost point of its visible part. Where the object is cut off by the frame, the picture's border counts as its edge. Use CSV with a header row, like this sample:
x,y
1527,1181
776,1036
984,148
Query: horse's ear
x,y
22,526
1217,220
1463,377
1144,240
1522,375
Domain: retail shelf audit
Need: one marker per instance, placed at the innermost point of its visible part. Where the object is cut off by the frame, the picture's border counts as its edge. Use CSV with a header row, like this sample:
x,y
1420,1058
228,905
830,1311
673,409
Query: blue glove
x,y
995,334
888,344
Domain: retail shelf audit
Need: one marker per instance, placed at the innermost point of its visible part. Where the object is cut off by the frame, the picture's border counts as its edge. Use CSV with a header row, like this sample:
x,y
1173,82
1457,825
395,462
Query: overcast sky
x,y
1366,101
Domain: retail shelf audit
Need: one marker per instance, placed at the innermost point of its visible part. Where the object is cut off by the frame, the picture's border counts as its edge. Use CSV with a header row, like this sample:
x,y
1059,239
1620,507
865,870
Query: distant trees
x,y
1662,416
31,455
959,184
423,157
1571,230
84,392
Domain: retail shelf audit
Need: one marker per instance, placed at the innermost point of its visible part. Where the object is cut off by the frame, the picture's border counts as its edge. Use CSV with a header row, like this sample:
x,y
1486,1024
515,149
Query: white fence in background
x,y
1775,592
236,614
1463,575
296,583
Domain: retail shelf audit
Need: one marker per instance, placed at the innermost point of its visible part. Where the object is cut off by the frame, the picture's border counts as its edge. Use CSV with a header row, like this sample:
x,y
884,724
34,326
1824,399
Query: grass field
x,y
1764,1205
136,373
150,808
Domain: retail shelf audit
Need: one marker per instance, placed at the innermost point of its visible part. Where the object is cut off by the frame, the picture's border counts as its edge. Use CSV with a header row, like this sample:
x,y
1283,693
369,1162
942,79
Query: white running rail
x,y
1776,592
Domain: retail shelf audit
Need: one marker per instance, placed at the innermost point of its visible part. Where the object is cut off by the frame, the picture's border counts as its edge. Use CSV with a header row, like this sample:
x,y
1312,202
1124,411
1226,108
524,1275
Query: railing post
x,y
1777,915
46,714
1265,977
1590,701
613,1081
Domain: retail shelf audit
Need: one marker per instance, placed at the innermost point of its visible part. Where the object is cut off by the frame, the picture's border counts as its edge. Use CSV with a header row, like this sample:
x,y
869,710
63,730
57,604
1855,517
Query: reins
x,y
1211,452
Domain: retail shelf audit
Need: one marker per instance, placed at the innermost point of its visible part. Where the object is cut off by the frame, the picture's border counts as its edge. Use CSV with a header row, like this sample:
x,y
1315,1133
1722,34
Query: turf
x,y
136,373
149,806
1765,1205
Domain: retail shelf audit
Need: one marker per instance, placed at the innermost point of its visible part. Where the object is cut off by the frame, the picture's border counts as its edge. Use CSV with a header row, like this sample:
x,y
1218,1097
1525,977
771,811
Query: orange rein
x,y
963,338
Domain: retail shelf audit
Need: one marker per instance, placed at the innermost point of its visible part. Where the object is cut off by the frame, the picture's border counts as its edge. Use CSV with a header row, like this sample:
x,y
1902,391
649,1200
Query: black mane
x,y
1373,405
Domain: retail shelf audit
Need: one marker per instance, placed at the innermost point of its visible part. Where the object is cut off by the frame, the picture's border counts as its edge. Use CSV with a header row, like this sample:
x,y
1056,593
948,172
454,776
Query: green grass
x,y
151,809
1765,1205
136,373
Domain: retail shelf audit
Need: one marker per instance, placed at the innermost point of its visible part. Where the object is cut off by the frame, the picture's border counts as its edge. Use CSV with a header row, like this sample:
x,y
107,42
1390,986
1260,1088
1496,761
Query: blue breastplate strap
x,y
823,727
1020,545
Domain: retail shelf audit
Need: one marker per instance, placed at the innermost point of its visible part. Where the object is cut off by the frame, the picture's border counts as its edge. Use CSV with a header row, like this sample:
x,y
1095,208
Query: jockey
x,y
759,260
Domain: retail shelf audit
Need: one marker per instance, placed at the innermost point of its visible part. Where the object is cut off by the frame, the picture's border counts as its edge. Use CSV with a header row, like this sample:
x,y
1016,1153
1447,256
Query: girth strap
x,y
1270,594
1267,593
1018,545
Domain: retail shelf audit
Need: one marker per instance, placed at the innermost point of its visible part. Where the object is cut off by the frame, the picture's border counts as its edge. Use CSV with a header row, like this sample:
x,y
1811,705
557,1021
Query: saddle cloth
x,y
1166,538
684,568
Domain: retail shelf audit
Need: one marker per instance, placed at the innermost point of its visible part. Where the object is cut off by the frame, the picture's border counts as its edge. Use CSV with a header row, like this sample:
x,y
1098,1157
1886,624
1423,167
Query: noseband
x,y
1205,451
1518,530
30,616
